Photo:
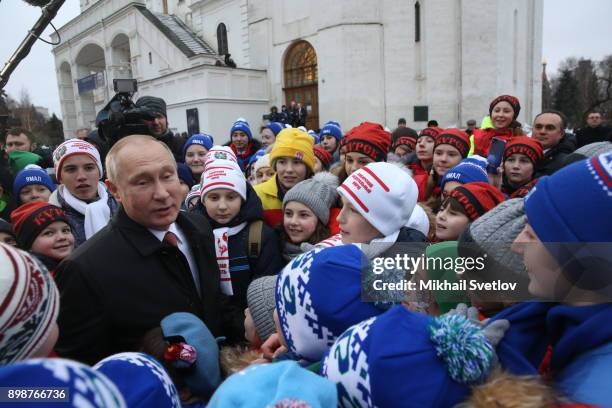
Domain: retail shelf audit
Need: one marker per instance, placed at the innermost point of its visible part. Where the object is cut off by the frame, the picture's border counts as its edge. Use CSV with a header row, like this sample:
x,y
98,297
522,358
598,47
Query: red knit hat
x,y
370,139
512,100
404,136
323,155
432,132
525,145
30,219
476,198
456,138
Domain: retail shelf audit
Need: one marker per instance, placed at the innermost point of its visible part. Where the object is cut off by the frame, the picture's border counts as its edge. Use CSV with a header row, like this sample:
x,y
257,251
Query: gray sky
x,y
571,28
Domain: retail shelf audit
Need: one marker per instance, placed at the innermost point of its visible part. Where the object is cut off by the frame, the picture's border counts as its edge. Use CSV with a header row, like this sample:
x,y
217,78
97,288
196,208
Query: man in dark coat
x,y
549,130
150,261
158,128
594,131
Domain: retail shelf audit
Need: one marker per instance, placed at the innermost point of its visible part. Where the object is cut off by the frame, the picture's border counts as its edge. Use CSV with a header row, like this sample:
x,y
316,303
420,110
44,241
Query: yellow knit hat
x,y
294,143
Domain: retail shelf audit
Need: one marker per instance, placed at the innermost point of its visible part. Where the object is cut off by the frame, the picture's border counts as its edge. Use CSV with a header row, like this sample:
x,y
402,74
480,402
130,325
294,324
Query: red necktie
x,y
171,239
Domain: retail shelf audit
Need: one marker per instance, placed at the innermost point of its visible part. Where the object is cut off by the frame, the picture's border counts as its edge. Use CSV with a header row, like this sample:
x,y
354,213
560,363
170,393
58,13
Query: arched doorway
x,y
121,58
91,67
301,80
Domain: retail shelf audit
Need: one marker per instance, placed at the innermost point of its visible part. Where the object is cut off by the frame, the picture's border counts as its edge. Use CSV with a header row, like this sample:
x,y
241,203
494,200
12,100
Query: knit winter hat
x,y
477,198
242,125
524,145
470,170
323,155
275,127
456,138
141,379
384,195
19,160
406,356
192,346
261,304
370,139
331,129
512,100
184,174
82,385
30,305
404,136
283,384
432,132
30,219
418,220
154,104
294,143
262,162
71,148
551,204
223,177
193,193
30,175
223,155
594,149
202,139
317,193
311,316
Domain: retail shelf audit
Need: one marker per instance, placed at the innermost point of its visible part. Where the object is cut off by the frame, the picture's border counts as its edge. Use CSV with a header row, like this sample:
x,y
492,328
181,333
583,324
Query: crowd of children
x,y
298,221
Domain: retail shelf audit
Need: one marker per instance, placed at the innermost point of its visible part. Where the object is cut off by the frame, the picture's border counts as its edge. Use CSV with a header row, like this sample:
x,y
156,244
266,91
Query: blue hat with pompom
x,y
406,356
331,128
242,125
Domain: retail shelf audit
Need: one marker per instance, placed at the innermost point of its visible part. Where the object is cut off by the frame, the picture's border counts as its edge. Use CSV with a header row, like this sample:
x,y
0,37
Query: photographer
x,y
158,127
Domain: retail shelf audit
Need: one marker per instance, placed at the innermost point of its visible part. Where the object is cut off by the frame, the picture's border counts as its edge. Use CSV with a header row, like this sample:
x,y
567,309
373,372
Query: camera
x,y
121,117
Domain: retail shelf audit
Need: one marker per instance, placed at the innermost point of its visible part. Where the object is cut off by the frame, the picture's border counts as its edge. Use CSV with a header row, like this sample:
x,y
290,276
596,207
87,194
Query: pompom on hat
x,y
383,194
310,317
370,139
476,198
405,356
295,144
241,125
512,100
275,127
331,129
84,386
71,148
141,379
456,138
30,300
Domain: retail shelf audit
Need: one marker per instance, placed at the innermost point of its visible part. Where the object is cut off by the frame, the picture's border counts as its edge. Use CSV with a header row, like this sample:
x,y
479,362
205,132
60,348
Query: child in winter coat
x,y
503,111
306,213
262,169
404,141
81,195
44,230
32,184
293,160
470,170
242,143
362,145
465,204
521,157
194,151
563,252
324,159
246,248
30,302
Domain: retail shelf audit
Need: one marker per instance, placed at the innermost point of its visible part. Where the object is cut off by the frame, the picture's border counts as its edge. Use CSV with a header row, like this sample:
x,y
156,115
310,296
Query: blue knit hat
x,y
184,173
331,129
256,156
85,386
141,379
183,328
32,174
551,206
318,296
314,136
409,357
201,139
469,170
282,384
275,127
242,125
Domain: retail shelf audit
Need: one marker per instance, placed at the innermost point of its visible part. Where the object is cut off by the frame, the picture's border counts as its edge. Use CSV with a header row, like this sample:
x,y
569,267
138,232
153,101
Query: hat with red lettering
x,y
370,139
71,148
219,175
383,194
30,219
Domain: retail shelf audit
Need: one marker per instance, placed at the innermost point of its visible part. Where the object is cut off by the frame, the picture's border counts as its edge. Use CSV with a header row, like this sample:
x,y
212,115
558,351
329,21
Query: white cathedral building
x,y
345,60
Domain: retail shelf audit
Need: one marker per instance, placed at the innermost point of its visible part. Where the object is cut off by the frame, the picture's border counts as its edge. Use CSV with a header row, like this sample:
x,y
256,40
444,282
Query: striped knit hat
x,y
476,198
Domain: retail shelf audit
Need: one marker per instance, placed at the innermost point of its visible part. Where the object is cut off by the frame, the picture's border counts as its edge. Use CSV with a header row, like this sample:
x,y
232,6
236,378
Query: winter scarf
x,y
97,214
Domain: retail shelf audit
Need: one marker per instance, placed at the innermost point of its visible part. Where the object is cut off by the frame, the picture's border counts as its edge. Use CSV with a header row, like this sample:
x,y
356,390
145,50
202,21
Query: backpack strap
x,y
254,242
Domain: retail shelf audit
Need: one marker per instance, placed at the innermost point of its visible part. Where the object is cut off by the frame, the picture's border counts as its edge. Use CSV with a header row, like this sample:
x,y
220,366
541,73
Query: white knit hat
x,y
73,147
220,176
262,162
384,194
419,220
221,154
30,304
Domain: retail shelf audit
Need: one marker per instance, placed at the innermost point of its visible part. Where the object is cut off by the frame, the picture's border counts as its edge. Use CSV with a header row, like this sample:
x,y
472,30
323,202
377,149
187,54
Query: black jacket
x,y
123,281
244,268
590,135
554,157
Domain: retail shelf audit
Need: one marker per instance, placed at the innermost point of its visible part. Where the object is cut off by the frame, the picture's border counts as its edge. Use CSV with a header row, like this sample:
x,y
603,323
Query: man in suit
x,y
151,260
